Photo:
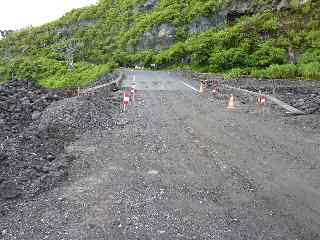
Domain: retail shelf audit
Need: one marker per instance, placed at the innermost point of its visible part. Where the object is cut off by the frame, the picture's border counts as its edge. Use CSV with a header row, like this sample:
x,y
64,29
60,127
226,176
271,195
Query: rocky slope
x,y
36,124
242,37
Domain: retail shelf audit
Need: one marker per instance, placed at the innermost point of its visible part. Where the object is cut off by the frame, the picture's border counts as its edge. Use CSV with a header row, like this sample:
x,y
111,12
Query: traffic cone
x,y
261,103
232,103
201,88
125,101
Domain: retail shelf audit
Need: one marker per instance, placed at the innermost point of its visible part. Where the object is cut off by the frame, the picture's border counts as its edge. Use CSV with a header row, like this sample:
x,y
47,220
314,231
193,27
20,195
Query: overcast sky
x,y
16,14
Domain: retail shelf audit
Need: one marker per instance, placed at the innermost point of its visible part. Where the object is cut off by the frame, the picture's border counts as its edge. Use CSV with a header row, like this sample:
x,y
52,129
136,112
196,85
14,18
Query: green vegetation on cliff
x,y
261,38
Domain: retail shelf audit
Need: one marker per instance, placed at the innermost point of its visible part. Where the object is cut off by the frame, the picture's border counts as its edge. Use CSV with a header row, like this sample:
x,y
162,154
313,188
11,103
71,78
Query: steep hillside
x,y
262,38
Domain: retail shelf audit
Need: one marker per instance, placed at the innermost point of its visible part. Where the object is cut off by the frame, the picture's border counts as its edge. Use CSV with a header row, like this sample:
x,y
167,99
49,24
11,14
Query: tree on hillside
x,y
69,54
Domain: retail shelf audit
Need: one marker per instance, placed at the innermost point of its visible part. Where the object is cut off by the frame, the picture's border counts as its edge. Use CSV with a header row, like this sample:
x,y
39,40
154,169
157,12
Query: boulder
x,y
3,156
9,190
36,115
50,157
241,6
283,5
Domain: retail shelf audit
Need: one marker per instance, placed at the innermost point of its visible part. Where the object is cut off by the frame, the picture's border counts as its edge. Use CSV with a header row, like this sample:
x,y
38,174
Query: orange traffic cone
x,y
201,88
232,103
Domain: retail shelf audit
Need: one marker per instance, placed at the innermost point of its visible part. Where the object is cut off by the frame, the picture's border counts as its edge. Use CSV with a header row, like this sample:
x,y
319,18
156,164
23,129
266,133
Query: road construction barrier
x,y
263,100
232,103
132,93
134,84
261,103
110,85
201,88
289,109
125,101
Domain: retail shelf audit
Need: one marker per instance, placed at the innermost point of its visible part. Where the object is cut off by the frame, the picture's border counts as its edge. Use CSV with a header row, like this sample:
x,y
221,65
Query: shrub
x,y
171,56
313,39
311,55
227,59
4,73
310,70
81,75
258,73
33,69
235,73
286,71
267,54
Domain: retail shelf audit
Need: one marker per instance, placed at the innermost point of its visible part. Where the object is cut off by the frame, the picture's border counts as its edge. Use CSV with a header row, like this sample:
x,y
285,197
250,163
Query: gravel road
x,y
179,165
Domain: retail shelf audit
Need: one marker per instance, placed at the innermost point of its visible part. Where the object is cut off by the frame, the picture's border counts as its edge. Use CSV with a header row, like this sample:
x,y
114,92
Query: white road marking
x,y
189,86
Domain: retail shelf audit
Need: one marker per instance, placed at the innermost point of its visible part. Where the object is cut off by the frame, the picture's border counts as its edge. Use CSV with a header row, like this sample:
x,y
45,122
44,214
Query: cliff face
x,y
206,35
164,35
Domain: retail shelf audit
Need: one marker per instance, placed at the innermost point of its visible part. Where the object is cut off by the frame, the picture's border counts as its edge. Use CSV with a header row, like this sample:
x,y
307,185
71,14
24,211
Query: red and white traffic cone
x,y
125,101
261,103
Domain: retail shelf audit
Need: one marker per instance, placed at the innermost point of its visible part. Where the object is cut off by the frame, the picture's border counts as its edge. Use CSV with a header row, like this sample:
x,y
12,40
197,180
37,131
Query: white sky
x,y
16,14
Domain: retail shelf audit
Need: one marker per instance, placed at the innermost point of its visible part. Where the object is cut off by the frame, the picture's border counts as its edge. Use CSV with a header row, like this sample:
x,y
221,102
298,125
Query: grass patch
x,y
310,71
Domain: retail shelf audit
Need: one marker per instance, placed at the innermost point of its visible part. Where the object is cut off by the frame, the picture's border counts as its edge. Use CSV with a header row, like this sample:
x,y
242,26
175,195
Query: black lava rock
x,y
21,103
3,156
50,157
9,190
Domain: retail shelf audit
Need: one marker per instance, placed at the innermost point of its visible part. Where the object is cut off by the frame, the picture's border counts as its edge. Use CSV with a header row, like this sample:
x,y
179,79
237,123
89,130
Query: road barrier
x,y
289,109
232,103
201,88
263,100
261,103
125,101
115,84
132,93
133,88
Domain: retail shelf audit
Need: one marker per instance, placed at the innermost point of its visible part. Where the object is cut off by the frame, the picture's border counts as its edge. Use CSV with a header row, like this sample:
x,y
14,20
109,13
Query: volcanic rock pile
x,y
20,103
30,158
309,104
36,125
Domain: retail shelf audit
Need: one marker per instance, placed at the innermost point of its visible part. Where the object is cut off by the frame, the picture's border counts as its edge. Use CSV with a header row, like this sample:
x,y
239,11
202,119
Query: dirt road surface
x,y
181,166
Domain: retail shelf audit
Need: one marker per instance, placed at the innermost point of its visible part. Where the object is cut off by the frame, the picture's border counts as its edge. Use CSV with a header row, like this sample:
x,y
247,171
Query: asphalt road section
x,y
181,166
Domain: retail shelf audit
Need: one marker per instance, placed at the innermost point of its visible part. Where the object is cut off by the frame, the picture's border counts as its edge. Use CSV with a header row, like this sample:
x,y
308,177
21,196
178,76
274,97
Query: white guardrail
x,y
116,82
